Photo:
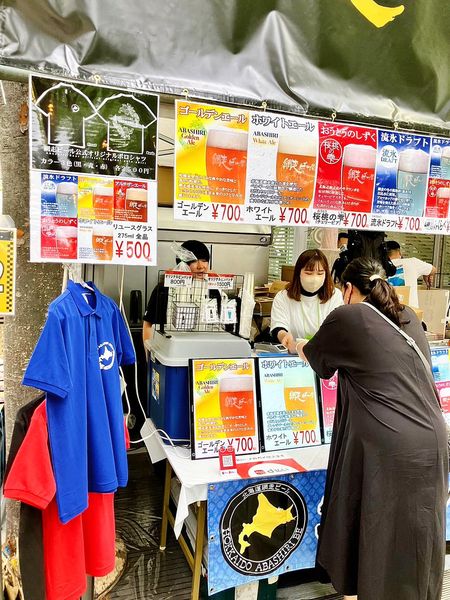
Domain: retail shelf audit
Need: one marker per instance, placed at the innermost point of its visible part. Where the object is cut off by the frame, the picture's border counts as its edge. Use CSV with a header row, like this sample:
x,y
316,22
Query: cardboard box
x,y
287,272
263,307
277,286
402,293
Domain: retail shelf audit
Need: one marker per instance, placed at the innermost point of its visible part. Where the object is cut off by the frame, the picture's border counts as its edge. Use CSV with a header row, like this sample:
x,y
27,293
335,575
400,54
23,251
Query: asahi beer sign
x,y
261,527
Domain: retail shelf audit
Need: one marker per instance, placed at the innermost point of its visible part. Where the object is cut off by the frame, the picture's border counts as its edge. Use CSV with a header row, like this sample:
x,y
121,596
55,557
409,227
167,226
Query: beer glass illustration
x,y
67,199
103,202
226,164
237,405
299,400
66,241
296,167
358,177
445,163
411,182
442,202
102,242
136,204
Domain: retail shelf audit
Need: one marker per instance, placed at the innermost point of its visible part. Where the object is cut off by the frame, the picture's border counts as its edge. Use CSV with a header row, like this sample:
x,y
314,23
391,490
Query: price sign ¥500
x,y
7,271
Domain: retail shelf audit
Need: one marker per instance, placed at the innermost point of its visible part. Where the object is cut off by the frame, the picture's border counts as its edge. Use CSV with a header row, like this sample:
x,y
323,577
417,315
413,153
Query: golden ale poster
x,y
224,406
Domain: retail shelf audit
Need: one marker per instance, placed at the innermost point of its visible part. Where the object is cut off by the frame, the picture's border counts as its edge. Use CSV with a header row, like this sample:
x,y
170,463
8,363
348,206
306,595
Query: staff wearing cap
x,y
196,260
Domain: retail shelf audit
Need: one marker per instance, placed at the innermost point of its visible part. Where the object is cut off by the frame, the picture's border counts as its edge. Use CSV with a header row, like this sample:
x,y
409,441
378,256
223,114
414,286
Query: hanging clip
x,y
185,93
264,105
395,125
333,115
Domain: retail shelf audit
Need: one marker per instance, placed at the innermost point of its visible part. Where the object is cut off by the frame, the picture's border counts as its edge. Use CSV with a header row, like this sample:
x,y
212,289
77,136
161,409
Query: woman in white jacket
x,y
299,310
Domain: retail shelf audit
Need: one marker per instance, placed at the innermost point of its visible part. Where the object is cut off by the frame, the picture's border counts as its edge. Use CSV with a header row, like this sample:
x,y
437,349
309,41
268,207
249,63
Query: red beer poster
x,y
438,198
328,389
346,167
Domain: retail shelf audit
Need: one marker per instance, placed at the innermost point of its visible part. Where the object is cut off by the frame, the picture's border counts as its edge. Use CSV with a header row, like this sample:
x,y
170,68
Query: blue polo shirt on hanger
x,y
76,361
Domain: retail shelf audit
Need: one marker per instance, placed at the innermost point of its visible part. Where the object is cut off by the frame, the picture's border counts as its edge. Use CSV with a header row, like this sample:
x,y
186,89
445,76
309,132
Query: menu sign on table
x,y
93,173
224,406
289,407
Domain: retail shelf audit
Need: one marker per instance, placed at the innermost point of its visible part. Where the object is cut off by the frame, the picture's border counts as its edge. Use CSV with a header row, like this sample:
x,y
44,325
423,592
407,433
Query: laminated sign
x,y
7,271
93,173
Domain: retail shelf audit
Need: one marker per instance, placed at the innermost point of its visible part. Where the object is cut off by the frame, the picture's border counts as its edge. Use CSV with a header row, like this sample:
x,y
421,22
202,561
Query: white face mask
x,y
311,283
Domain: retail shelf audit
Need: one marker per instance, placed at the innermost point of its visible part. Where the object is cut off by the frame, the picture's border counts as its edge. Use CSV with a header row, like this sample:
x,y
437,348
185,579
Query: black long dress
x,y
382,534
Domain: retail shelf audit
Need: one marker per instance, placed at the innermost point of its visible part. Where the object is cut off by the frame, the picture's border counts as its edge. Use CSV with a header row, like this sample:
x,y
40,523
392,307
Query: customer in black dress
x,y
382,534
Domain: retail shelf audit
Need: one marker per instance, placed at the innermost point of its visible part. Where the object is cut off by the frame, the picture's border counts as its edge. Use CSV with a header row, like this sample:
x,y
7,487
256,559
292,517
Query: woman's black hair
x,y
368,276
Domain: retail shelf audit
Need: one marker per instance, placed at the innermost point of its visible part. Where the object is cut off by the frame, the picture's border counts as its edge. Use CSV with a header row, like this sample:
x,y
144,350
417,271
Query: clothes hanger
x,y
73,271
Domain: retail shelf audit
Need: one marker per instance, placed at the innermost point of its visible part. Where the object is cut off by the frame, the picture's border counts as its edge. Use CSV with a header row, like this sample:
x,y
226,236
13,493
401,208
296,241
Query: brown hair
x,y
378,292
309,258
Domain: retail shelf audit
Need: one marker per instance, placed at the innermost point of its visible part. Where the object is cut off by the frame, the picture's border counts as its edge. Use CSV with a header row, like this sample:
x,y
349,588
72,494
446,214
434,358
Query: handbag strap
x,y
408,339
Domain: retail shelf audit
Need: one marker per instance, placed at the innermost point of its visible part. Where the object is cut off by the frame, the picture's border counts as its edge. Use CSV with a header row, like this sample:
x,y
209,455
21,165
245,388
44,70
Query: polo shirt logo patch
x,y
106,355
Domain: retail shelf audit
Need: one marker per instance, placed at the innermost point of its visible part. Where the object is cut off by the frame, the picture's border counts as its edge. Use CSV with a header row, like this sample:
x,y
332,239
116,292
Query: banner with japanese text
x,y
224,406
262,527
289,407
243,166
8,244
93,182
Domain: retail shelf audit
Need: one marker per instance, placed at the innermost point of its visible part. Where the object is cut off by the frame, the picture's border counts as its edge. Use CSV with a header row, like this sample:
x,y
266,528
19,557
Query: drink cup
x,y
296,167
411,182
66,242
237,405
136,204
445,163
67,199
358,177
102,242
226,164
103,202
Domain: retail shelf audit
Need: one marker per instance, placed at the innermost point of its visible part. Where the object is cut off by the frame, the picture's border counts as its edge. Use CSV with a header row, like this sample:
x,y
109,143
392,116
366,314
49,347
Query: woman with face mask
x,y
382,533
298,311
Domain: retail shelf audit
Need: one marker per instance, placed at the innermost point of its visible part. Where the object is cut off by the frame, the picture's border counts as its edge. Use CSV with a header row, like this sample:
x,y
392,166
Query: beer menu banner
x,y
262,527
242,166
93,173
289,408
224,406
8,239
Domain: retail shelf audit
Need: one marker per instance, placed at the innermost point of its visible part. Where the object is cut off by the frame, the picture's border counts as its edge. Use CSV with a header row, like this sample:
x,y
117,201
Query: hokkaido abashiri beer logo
x,y
106,355
261,527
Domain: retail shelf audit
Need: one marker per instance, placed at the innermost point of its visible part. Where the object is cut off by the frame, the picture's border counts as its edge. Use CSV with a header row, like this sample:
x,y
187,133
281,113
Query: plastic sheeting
x,y
314,56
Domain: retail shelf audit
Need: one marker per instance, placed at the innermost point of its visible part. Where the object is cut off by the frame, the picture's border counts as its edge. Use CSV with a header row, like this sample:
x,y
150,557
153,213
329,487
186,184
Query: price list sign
x,y
93,173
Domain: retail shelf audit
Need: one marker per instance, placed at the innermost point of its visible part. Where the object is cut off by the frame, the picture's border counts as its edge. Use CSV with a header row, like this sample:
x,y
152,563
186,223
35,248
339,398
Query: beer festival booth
x,y
236,124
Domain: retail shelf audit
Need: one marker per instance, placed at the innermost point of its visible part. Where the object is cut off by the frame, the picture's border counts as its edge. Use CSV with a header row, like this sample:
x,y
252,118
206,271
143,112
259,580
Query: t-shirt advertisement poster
x,y
262,528
289,407
224,406
328,389
251,166
93,180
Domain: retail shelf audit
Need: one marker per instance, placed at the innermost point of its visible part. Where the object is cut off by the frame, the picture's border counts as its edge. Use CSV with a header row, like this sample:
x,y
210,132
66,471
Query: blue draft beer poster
x,y
260,528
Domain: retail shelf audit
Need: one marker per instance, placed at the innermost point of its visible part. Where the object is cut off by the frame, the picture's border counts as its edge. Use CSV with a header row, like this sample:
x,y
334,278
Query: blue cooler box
x,y
168,397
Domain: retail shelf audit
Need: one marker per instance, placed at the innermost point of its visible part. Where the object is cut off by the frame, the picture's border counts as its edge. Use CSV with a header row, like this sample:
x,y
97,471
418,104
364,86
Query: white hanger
x,y
73,271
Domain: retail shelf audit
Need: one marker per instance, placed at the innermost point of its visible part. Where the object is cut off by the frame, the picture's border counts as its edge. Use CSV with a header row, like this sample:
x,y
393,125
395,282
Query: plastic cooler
x,y
168,397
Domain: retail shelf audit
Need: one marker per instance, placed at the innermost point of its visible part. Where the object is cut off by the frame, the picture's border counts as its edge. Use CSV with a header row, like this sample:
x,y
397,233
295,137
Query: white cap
x,y
227,138
443,192
136,194
103,190
66,187
446,152
413,161
297,143
360,156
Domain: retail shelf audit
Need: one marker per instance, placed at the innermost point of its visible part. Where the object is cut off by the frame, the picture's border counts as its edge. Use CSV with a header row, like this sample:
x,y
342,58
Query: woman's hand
x,y
289,343
299,349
